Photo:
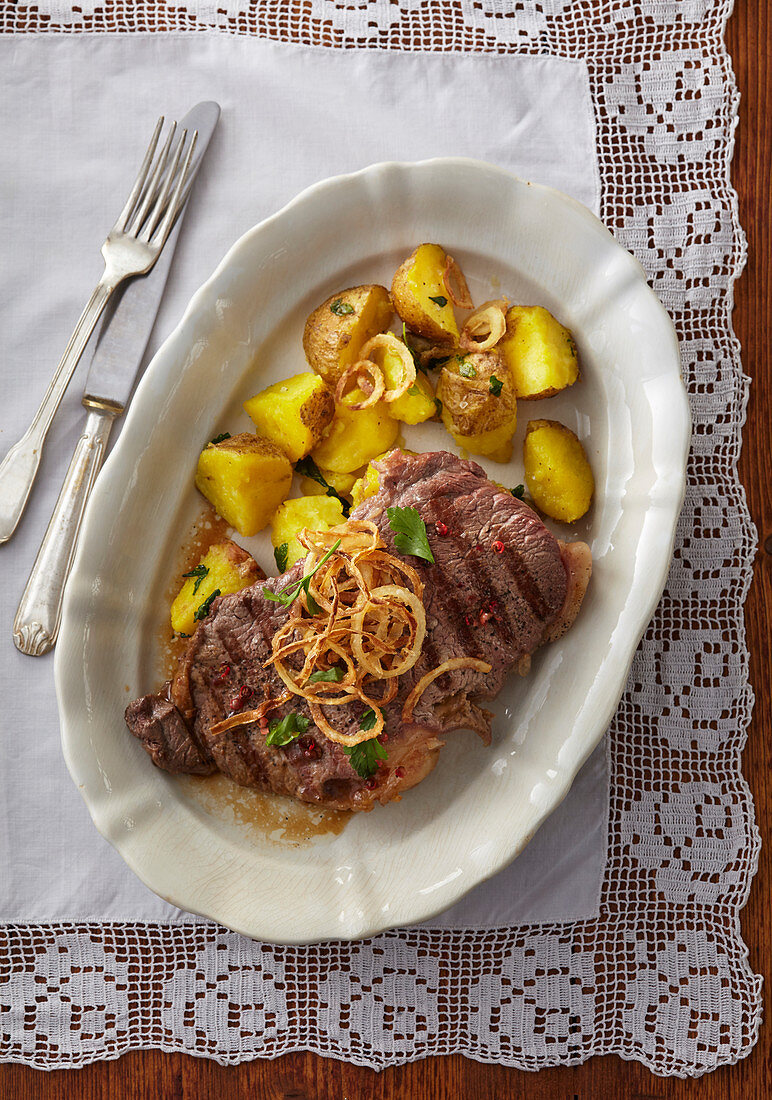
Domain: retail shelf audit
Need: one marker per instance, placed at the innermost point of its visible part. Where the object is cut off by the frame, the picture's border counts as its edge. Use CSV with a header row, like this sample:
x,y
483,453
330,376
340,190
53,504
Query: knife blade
x,y
115,363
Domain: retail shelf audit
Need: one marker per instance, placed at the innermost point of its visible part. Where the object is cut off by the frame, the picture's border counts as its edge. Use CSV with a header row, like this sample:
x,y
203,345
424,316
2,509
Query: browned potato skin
x,y
332,342
317,413
468,406
410,309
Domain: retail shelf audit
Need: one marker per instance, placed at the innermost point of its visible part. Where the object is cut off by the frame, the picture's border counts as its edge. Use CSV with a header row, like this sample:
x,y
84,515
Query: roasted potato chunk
x,y
355,436
420,296
539,351
478,404
368,483
315,513
557,472
244,478
365,486
337,329
416,404
293,414
223,569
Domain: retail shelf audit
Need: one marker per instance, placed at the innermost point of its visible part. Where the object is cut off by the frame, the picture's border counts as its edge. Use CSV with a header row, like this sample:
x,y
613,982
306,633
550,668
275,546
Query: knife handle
x,y
36,625
20,466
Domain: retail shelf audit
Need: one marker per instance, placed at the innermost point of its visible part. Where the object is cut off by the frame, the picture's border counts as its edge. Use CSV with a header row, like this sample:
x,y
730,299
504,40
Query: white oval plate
x,y
405,862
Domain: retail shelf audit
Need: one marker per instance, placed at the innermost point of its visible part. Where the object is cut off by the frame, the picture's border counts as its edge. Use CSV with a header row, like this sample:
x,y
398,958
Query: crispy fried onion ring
x,y
458,294
386,342
369,623
368,377
484,328
446,666
371,627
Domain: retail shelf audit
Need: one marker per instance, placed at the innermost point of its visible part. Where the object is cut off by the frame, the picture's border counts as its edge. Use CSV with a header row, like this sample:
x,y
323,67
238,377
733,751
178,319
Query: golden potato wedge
x,y
337,329
539,351
225,568
416,404
479,408
365,486
293,413
245,478
557,472
355,436
421,298
368,483
315,513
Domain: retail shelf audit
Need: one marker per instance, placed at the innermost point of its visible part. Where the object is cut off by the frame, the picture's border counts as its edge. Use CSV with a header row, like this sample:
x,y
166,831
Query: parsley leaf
x,y
466,370
287,595
438,406
364,757
332,675
439,300
283,731
414,391
518,491
341,308
280,556
219,438
311,603
206,606
368,720
410,530
494,385
199,573
308,468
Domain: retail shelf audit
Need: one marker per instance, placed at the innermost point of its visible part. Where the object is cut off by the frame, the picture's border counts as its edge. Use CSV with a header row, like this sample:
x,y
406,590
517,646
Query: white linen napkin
x,y
75,115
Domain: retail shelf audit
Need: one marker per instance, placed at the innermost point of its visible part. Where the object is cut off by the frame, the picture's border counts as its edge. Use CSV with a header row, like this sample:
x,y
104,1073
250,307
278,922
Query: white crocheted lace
x,y
662,974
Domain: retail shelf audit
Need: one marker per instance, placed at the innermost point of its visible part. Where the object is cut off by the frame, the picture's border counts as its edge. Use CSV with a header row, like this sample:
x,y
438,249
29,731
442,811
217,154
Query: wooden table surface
x,y
141,1075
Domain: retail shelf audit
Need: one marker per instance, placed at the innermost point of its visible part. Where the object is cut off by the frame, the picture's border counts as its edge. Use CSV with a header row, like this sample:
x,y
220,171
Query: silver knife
x,y
114,365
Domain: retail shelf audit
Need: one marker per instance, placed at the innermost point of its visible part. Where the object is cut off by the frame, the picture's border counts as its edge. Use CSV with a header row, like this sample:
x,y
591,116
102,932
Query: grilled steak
x,y
500,586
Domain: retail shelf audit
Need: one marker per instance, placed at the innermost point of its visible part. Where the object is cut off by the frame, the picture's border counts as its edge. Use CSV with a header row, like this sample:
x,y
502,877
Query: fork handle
x,y
20,465
36,625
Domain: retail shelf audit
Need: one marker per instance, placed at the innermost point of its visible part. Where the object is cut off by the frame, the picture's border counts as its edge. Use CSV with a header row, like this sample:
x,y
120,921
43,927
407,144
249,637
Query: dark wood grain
x,y
138,1076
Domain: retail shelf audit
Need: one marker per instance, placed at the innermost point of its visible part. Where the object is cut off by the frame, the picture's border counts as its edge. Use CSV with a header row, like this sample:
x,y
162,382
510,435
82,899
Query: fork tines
x,y
152,204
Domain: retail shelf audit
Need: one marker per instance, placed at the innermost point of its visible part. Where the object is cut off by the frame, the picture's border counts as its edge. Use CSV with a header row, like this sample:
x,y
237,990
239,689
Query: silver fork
x,y
132,247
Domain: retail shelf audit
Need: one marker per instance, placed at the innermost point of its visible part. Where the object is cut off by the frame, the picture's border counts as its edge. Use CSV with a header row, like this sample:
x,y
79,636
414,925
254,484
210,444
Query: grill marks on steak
x,y
479,603
517,592
475,563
